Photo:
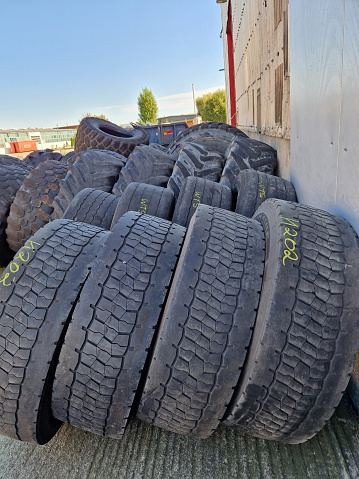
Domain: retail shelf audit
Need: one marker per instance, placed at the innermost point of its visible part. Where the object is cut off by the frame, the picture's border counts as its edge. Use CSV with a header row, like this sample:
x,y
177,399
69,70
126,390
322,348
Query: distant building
x,y
45,137
191,119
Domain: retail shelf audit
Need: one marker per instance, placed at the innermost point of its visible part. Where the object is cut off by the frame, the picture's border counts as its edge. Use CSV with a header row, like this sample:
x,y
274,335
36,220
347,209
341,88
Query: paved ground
x,y
149,452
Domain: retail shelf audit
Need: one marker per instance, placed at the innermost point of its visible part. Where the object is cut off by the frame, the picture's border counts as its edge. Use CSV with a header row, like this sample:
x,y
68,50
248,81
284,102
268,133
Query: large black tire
x,y
213,135
32,205
157,146
94,207
38,291
146,199
244,153
305,337
255,187
145,165
195,160
67,158
99,134
106,346
91,169
39,156
11,178
6,160
196,191
207,324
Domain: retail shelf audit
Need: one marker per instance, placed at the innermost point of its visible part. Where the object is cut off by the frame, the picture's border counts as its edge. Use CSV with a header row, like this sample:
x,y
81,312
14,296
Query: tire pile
x,y
184,286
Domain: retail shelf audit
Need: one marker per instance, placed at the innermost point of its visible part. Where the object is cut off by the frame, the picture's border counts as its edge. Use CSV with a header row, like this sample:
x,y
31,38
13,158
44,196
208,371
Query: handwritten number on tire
x,y
290,244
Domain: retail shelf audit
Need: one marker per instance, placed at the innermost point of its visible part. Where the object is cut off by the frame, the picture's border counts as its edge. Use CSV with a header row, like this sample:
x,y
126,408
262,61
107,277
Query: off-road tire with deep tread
x,y
6,160
94,207
146,199
195,160
255,187
196,191
39,156
105,351
304,341
37,294
207,324
213,135
244,153
92,169
32,205
11,178
99,134
145,165
157,146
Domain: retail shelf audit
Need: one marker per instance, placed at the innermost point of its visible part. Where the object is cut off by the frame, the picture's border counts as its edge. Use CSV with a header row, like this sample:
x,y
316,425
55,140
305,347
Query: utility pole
x,y
194,100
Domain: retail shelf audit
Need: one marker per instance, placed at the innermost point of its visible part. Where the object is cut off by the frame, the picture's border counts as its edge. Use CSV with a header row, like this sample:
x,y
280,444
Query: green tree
x,y
147,107
212,106
86,115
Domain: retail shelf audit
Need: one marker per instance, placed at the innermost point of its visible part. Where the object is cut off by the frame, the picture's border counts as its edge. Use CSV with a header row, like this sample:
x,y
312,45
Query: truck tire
x,y
244,153
38,291
196,191
32,205
98,377
145,165
207,324
94,207
99,134
39,156
195,160
255,187
146,199
92,169
303,344
11,178
213,135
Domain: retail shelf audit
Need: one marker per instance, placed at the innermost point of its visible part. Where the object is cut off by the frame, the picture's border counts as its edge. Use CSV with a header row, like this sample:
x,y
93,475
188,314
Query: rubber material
x,y
195,160
39,156
94,207
145,165
207,324
303,345
32,205
110,335
244,153
11,178
6,160
146,199
255,187
91,169
99,134
196,191
37,294
215,136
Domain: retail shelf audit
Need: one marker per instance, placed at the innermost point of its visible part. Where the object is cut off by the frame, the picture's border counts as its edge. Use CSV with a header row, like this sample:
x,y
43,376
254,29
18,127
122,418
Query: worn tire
x,y
196,191
195,160
207,324
35,306
32,205
91,169
146,199
303,345
39,156
105,350
6,160
94,207
11,178
244,153
99,134
213,135
157,146
255,187
145,165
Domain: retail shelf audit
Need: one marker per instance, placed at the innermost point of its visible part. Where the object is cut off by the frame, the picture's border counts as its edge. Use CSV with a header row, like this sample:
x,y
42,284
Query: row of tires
x,y
155,300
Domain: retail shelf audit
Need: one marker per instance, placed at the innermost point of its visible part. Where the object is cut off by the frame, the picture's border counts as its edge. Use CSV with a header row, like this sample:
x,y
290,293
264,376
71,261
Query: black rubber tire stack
x,y
39,156
146,199
99,134
33,204
91,169
94,207
145,165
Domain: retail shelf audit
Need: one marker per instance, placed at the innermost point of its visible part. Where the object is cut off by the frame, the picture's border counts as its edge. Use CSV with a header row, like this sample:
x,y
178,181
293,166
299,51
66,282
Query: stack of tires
x,y
182,286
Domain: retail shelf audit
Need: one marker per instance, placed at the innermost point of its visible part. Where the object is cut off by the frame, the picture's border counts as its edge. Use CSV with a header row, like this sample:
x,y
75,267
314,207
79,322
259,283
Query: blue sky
x,y
60,60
